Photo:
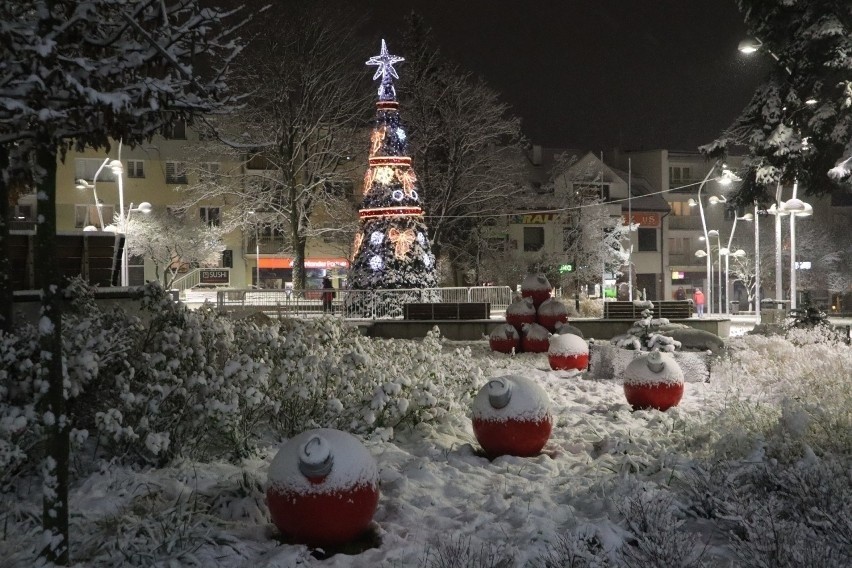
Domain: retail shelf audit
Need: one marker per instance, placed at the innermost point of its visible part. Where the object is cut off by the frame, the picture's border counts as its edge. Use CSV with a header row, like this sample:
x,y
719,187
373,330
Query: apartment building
x,y
157,173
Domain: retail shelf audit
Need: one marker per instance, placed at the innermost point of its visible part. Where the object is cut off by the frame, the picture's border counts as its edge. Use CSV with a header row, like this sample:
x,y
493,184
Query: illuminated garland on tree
x,y
391,250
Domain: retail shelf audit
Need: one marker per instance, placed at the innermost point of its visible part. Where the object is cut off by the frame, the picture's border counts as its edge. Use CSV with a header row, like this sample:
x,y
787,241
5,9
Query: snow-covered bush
x,y
195,384
643,334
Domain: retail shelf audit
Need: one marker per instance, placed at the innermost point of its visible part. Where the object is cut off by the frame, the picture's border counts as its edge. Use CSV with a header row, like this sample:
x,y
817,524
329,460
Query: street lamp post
x,y
83,185
795,208
715,233
256,249
727,252
725,179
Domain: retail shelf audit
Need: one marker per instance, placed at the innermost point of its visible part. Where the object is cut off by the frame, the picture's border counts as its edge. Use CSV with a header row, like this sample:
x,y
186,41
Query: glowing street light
x,y
725,178
795,208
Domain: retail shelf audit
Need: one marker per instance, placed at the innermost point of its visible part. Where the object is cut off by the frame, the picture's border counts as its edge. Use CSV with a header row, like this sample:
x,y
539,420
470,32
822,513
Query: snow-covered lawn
x,y
751,469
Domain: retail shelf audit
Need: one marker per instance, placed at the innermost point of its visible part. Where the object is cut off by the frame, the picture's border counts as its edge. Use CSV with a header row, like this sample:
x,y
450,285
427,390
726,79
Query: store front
x,y
276,272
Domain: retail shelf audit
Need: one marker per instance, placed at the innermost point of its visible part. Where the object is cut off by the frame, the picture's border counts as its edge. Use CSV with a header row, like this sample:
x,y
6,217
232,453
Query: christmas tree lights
x,y
391,250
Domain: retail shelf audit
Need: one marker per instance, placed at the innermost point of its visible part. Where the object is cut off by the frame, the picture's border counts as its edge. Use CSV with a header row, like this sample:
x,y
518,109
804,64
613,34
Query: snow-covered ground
x,y
718,481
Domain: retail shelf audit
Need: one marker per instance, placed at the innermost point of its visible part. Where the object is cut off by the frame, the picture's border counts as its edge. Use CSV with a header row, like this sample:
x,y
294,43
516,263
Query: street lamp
x,y
751,44
727,252
725,179
715,233
83,185
795,208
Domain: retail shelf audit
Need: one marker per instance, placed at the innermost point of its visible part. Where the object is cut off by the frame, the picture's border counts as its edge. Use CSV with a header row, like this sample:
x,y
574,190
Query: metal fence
x,y
357,304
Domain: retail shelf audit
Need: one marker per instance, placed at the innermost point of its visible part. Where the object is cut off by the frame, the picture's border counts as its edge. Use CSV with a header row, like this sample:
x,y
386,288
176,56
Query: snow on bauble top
x,y
656,368
536,282
511,397
344,461
535,332
521,307
552,307
504,331
567,344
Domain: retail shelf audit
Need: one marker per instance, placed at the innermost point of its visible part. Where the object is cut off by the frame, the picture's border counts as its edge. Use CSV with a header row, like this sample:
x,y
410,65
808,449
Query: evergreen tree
x,y
392,249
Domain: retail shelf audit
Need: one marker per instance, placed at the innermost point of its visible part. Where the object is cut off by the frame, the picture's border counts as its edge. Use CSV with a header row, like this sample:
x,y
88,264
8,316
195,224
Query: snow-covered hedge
x,y
195,384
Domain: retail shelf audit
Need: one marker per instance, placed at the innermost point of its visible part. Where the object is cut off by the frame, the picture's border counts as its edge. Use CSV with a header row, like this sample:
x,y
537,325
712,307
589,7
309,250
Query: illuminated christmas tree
x,y
391,251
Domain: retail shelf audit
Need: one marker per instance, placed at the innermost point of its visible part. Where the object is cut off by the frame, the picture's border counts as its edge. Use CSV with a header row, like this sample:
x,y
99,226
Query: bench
x,y
447,311
670,309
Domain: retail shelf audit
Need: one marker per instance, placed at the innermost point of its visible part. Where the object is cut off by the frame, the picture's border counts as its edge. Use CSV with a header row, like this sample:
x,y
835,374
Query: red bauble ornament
x,y
568,351
537,287
315,501
659,396
653,381
535,339
568,362
504,339
511,416
550,312
520,312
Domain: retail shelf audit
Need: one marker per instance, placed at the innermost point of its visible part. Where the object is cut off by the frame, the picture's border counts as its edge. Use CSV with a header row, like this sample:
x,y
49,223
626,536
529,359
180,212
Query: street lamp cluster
x,y
123,215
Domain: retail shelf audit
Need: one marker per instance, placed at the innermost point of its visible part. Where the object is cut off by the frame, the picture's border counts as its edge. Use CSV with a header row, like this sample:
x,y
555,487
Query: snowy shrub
x,y
580,548
797,400
20,430
461,552
644,334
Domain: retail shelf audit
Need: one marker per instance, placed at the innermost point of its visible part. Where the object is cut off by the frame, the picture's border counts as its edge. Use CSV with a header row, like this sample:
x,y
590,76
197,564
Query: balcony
x,y
685,259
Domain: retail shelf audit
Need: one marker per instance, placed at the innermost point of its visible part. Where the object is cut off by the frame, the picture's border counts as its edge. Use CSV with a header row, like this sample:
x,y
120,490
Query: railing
x,y
357,304
188,280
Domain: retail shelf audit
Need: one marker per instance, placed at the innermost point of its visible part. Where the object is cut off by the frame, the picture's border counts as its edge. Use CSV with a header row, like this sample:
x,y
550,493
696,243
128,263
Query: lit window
x,y
86,168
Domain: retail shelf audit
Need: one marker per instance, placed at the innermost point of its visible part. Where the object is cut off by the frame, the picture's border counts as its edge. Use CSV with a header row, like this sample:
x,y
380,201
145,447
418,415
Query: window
x,y
682,209
175,172
227,258
85,215
135,169
86,168
209,215
679,175
533,238
209,171
592,190
647,239
175,131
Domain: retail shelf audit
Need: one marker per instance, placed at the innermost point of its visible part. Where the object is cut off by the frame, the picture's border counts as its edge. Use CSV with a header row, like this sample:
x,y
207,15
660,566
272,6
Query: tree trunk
x,y
56,423
299,241
6,296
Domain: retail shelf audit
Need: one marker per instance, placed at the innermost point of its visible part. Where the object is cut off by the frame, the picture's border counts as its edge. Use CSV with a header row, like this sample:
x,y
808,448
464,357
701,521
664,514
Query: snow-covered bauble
x,y
653,381
376,238
563,328
511,416
322,488
550,312
568,352
534,338
376,262
519,312
427,260
537,287
421,240
504,338
397,194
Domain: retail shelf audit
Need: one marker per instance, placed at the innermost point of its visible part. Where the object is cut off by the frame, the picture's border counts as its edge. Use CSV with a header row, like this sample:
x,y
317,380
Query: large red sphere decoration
x,y
519,312
323,488
654,381
567,352
511,416
504,338
550,312
661,396
534,338
537,287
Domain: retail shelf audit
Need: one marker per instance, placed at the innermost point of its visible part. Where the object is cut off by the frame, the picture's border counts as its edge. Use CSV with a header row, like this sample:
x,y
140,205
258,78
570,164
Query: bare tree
x,y
295,136
466,147
78,74
173,244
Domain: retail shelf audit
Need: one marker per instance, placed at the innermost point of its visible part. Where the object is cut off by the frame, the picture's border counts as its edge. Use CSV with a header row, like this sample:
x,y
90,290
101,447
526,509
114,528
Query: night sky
x,y
595,74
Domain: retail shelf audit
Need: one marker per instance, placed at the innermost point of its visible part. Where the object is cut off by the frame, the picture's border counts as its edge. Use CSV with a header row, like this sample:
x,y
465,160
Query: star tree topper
x,y
385,62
